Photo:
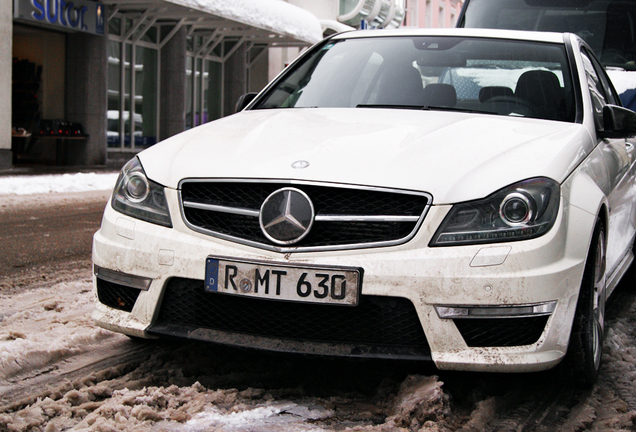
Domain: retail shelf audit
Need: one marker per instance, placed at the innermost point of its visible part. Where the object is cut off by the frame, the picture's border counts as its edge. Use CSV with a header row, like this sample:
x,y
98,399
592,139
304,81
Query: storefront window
x,y
133,88
145,117
114,26
113,131
197,92
128,24
127,92
203,86
149,34
189,93
212,91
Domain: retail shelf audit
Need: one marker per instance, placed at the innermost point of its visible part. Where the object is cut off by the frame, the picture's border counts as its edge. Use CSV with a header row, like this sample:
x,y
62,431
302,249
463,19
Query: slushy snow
x,y
59,183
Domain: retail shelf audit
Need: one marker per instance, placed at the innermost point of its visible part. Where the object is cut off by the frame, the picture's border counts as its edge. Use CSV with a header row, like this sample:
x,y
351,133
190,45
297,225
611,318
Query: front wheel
x,y
586,341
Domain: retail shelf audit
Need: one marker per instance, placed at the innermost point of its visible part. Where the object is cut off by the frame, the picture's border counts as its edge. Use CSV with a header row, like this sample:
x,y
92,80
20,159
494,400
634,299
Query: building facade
x,y
92,82
433,13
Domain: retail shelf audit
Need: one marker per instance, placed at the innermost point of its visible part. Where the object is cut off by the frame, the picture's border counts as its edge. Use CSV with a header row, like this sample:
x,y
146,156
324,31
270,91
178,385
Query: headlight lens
x,y
521,211
136,196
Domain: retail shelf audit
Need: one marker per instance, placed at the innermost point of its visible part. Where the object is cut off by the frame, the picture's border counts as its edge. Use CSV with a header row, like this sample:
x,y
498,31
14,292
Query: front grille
x,y
388,324
117,296
344,217
501,332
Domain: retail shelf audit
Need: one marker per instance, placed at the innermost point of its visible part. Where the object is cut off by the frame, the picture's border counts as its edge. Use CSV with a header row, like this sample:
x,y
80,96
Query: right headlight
x,y
137,196
521,211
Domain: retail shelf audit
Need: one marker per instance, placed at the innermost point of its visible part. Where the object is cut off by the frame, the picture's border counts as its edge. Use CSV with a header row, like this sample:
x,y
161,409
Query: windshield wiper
x,y
424,107
268,107
456,109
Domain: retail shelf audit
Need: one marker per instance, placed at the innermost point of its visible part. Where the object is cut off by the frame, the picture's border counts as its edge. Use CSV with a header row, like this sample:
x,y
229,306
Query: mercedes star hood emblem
x,y
300,164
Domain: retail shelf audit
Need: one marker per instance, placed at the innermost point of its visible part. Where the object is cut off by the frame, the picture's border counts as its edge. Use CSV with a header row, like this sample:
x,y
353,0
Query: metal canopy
x,y
257,22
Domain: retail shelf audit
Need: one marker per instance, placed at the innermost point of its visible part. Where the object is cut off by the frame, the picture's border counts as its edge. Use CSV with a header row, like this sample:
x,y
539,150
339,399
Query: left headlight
x,y
137,196
521,211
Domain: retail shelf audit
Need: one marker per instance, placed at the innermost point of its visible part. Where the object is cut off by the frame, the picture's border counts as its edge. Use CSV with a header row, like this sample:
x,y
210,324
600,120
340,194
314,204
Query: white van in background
x,y
608,26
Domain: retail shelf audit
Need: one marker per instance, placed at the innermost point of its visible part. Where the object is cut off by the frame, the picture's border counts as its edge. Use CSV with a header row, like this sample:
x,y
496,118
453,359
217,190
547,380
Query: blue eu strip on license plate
x,y
212,275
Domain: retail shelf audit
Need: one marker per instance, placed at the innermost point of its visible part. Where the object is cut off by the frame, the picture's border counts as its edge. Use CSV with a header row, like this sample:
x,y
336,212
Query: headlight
x,y
136,196
522,211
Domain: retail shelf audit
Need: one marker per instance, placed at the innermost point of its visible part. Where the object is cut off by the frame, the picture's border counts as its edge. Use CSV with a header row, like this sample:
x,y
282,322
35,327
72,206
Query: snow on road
x,y
181,387
42,326
59,183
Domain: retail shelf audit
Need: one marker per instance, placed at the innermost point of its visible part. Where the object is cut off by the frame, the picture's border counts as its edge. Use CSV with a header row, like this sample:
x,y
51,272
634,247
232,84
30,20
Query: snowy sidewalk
x,y
69,182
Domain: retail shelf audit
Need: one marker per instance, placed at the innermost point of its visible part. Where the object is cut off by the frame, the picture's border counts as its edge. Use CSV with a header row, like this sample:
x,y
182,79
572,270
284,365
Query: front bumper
x,y
539,272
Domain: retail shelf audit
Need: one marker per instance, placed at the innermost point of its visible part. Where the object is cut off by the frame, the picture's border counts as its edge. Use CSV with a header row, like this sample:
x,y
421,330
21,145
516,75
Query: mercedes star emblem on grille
x,y
286,216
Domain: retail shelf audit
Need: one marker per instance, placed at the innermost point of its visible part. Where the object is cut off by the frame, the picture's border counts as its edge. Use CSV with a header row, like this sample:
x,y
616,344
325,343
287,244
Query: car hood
x,y
453,156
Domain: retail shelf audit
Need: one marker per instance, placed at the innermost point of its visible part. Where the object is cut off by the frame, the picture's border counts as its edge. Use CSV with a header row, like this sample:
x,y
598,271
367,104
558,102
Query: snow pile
x,y
177,388
77,182
274,15
622,80
88,406
612,404
421,402
42,326
100,407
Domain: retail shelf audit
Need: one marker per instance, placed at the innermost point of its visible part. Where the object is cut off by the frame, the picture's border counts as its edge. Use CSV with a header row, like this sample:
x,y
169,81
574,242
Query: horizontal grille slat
x,y
241,226
345,217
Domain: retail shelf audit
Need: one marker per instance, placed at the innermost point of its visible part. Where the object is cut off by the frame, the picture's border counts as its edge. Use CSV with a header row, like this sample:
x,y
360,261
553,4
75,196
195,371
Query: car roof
x,y
462,32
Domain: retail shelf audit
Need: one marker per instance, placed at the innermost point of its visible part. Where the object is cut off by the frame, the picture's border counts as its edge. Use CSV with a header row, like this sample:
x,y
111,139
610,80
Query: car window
x,y
598,94
503,77
608,26
611,96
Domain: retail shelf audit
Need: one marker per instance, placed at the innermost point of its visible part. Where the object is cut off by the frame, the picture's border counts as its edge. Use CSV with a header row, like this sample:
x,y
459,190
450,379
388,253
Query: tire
x,y
586,341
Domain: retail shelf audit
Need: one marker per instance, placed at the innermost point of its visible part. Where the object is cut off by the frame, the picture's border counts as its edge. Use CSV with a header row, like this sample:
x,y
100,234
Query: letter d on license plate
x,y
281,281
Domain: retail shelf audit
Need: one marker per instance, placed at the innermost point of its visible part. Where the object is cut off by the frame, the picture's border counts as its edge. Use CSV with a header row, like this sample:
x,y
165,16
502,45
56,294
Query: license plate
x,y
280,281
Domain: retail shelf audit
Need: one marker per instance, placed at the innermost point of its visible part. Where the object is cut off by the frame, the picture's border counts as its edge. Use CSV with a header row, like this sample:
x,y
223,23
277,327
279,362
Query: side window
x,y
610,93
597,91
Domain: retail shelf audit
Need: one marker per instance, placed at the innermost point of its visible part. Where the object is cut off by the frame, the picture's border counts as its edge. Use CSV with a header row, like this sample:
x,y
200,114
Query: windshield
x,y
609,27
449,73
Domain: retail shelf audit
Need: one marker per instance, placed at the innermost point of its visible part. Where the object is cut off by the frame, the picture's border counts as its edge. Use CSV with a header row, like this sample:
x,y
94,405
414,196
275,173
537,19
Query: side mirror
x,y
618,122
244,101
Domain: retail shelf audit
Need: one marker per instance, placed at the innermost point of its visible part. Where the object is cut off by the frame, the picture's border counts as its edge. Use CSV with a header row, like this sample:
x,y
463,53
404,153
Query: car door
x,y
619,159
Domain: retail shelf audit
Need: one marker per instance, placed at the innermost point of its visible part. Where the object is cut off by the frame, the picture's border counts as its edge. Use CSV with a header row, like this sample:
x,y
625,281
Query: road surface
x,y
58,371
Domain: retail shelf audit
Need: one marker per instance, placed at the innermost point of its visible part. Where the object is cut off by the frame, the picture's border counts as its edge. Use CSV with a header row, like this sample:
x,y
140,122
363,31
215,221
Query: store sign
x,y
78,15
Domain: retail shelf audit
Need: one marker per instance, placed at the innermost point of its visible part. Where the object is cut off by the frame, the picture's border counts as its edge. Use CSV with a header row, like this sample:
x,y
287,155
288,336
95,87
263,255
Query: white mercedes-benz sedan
x,y
461,196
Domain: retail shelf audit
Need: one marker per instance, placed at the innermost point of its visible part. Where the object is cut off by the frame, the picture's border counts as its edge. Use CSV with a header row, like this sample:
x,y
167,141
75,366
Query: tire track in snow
x,y
117,357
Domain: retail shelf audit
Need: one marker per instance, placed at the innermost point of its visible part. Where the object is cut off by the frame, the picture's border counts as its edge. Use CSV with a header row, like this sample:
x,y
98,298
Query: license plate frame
x,y
273,280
